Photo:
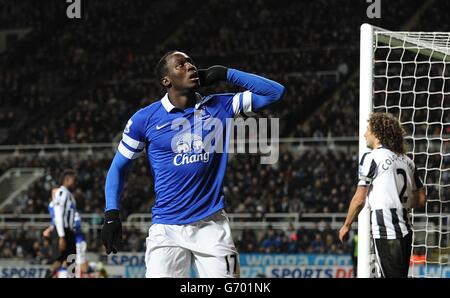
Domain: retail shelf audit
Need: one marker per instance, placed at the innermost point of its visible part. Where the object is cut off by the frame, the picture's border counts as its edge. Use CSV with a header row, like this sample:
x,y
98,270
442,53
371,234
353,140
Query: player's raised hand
x,y
112,231
212,75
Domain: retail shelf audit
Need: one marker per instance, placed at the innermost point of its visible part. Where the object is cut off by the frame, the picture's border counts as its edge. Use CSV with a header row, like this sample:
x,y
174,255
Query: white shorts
x,y
206,244
81,253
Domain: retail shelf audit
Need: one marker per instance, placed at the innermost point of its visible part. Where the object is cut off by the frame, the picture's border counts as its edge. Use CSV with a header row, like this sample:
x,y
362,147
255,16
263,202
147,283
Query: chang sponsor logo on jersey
x,y
190,149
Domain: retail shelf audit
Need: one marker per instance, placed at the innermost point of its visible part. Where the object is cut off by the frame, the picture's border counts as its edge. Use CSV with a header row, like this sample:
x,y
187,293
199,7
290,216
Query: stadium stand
x,y
79,82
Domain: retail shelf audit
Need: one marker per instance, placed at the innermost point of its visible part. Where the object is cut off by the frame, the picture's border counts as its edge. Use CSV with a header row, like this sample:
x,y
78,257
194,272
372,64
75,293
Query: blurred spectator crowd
x,y
60,88
75,81
29,243
313,182
309,182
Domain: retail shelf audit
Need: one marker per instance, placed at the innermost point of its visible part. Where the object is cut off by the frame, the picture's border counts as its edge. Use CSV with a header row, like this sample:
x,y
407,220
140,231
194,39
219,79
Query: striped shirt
x,y
64,207
391,179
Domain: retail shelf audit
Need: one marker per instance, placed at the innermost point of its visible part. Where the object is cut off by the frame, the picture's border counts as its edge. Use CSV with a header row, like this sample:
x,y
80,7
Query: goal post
x,y
407,74
365,108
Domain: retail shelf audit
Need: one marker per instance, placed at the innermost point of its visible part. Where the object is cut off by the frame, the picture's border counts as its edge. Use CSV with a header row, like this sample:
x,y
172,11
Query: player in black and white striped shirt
x,y
64,208
388,178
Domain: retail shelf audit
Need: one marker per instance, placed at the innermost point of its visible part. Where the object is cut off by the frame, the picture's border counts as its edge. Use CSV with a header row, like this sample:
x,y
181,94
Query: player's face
x,y
182,72
370,138
71,182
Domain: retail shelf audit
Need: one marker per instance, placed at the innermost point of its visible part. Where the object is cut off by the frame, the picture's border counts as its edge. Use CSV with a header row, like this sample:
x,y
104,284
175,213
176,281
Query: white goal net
x,y
411,79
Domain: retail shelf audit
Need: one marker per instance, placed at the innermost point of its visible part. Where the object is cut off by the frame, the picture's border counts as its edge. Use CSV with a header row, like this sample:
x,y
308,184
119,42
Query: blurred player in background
x,y
63,208
50,234
82,265
189,223
390,181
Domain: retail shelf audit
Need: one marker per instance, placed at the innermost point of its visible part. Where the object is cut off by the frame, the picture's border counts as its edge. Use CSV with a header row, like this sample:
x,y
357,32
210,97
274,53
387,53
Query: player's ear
x,y
165,81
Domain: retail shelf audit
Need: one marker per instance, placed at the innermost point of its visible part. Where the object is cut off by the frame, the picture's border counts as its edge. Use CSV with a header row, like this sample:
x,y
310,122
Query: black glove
x,y
112,231
212,75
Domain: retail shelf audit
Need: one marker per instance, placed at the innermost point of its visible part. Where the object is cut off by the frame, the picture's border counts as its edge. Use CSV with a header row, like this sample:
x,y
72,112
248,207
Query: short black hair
x,y
66,173
161,66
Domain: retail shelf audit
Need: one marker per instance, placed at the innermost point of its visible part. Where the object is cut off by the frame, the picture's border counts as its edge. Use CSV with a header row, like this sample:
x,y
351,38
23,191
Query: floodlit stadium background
x,y
68,86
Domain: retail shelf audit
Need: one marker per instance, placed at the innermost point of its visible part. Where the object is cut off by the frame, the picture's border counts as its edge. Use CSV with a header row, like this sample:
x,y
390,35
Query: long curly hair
x,y
386,128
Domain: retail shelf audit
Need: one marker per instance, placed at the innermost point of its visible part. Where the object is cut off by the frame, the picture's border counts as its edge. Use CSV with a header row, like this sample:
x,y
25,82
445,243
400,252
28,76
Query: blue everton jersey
x,y
187,153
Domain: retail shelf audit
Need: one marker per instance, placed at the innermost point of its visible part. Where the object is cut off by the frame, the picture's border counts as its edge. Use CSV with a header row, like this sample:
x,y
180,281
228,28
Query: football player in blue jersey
x,y
181,134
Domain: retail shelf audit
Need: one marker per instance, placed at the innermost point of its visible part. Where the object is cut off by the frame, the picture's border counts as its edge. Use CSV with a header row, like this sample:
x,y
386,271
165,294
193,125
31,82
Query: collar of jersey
x,y
199,101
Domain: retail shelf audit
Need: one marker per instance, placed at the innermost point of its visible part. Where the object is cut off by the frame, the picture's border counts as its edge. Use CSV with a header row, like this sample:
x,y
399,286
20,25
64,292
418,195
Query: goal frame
x,y
366,95
365,108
